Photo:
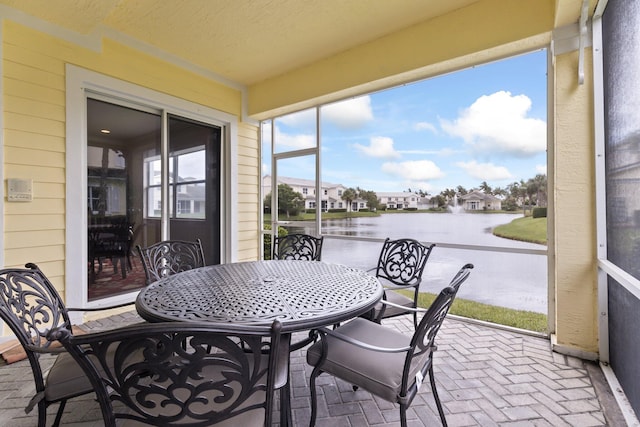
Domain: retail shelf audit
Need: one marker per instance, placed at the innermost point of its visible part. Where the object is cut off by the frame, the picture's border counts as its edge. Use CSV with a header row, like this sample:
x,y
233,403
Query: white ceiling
x,y
245,41
123,123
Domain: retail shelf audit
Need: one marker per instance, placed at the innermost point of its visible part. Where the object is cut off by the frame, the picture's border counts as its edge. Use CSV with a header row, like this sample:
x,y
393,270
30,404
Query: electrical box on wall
x,y
19,190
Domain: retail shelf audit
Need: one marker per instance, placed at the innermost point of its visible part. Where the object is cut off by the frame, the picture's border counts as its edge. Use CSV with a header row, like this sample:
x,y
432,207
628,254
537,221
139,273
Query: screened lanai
x,y
225,66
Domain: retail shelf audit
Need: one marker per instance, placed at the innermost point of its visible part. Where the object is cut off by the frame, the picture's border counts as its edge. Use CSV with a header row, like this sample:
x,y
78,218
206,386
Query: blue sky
x,y
486,123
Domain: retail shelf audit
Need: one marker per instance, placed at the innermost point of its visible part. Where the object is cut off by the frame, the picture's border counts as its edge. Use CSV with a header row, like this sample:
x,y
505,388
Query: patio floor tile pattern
x,y
486,377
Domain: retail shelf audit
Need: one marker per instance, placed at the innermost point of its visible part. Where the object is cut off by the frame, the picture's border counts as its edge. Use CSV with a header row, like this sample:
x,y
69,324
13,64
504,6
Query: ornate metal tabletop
x,y
301,294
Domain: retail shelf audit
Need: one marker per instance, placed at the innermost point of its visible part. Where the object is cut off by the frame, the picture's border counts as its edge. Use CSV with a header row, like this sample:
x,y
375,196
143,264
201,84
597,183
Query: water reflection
x,y
510,280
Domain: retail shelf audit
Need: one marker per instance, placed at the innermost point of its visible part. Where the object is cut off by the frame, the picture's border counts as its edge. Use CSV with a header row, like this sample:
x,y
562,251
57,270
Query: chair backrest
x,y
110,241
169,257
181,373
298,247
402,261
422,342
30,305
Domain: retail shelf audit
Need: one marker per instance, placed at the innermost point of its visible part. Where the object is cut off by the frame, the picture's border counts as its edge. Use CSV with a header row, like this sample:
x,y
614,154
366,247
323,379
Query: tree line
x,y
532,192
291,202
518,194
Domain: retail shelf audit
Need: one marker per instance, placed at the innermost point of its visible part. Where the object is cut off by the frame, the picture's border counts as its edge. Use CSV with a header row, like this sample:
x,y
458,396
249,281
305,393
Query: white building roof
x,y
400,194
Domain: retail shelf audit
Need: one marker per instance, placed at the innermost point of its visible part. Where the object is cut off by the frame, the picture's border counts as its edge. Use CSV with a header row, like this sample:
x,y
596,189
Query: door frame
x,y
80,83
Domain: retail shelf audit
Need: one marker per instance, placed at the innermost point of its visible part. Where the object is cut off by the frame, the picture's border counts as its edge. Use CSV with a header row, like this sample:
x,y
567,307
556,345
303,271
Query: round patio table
x,y
302,295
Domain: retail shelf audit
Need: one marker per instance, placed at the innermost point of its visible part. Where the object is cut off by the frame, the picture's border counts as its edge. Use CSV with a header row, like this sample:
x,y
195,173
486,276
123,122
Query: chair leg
x,y
403,415
314,396
286,418
42,413
123,266
61,406
436,397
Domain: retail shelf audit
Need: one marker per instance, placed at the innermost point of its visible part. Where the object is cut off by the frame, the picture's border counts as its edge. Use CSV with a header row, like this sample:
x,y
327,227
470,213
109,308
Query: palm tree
x,y
349,195
448,194
501,192
486,189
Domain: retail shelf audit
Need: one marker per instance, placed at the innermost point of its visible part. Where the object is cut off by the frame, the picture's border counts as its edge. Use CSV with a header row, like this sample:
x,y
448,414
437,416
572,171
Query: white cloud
x,y
419,185
498,123
425,126
293,142
350,114
379,147
485,171
413,171
398,185
300,119
541,169
443,152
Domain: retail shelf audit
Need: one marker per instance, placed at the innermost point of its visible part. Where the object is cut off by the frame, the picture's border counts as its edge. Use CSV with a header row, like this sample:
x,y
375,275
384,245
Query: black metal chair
x,y
385,362
30,306
182,373
113,242
400,266
169,257
302,247
298,246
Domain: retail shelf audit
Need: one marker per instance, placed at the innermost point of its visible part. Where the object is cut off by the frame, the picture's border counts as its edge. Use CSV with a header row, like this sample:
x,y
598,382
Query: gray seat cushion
x,y
66,379
395,298
282,365
377,372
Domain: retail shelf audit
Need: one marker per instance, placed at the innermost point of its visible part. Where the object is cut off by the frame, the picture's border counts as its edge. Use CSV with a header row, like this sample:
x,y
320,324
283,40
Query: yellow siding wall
x,y
34,147
34,135
248,189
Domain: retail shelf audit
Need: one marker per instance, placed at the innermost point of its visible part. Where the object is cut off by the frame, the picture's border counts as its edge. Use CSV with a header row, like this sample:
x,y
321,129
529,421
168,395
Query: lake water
x,y
512,280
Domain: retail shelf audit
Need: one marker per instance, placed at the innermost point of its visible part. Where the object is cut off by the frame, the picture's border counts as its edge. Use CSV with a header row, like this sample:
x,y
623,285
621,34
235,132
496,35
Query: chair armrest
x,y
52,349
336,334
399,287
107,307
404,307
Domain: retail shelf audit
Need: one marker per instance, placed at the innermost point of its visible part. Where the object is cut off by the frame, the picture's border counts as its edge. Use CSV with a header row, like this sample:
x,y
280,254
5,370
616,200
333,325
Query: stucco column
x,y
573,245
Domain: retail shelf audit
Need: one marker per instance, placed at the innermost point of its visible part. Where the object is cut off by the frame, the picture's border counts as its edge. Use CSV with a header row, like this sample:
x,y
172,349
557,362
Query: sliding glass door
x,y
145,185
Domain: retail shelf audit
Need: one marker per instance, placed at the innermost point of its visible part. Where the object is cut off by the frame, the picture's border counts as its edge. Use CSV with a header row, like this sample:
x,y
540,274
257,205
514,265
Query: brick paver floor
x,y
486,377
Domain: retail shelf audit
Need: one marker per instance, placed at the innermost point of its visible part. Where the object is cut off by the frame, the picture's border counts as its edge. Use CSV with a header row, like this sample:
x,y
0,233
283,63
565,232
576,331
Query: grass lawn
x,y
527,320
525,229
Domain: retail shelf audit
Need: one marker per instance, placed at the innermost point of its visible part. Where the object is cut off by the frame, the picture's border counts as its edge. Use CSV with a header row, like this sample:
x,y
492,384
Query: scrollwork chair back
x,y
30,306
298,247
400,266
169,257
183,374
